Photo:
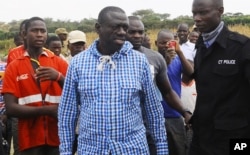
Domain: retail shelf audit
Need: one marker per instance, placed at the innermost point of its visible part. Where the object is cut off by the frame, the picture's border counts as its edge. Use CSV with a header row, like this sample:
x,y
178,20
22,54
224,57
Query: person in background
x,y
158,70
169,48
108,81
193,36
188,89
186,46
146,41
32,88
222,76
195,29
18,40
4,144
176,37
13,54
63,35
54,44
77,42
17,51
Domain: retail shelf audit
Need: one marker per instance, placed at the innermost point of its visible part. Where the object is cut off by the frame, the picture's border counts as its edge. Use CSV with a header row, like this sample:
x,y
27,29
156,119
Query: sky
x,y
76,10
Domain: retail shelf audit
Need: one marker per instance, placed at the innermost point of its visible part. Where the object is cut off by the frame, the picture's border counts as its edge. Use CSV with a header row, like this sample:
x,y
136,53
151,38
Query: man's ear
x,y
97,27
24,33
85,46
155,42
221,10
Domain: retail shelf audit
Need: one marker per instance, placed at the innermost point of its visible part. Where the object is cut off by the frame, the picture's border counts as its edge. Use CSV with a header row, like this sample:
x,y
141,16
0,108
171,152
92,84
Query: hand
x,y
46,73
174,45
170,55
52,110
187,117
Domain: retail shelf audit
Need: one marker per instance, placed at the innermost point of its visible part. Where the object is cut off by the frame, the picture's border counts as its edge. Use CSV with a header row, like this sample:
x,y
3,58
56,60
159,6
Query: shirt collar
x,y
222,37
127,46
43,53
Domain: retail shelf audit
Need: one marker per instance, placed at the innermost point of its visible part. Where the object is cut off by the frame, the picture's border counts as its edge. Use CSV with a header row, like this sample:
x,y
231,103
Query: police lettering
x,y
227,62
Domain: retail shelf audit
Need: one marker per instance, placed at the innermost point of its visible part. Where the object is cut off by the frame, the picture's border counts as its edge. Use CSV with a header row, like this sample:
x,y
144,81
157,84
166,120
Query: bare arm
x,y
187,79
172,98
15,110
186,65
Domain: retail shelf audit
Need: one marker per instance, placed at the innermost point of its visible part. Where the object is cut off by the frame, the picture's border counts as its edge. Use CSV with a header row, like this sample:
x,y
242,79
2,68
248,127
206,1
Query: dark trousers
x,y
14,131
176,134
151,145
3,149
75,144
210,141
41,150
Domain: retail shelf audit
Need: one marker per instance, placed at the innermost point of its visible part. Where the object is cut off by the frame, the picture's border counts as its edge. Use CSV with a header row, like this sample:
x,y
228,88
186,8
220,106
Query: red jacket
x,y
20,82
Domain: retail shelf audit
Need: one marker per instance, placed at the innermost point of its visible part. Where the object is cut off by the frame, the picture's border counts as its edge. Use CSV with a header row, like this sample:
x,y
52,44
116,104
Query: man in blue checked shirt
x,y
108,80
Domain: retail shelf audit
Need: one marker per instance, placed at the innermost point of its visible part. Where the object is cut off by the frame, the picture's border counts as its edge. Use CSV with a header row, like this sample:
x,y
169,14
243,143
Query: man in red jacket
x,y
32,88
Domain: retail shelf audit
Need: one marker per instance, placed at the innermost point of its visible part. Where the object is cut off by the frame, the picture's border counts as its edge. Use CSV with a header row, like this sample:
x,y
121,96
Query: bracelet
x,y
59,76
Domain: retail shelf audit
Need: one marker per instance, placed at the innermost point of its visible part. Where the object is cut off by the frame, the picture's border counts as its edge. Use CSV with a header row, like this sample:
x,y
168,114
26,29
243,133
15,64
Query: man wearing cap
x,y
63,35
76,43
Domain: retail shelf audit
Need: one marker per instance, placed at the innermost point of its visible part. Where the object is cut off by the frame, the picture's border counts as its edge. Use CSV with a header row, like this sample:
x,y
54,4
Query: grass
x,y
5,45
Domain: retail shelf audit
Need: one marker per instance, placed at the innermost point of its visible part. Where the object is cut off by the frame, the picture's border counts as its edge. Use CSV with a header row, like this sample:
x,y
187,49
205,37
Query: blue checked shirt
x,y
108,90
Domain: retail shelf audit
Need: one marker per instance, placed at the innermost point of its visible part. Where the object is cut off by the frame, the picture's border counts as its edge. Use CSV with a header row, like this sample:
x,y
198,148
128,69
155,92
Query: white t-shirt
x,y
188,50
188,95
188,92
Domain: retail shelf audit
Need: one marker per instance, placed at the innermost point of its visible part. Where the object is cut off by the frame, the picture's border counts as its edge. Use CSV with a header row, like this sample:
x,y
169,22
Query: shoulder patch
x,y
238,37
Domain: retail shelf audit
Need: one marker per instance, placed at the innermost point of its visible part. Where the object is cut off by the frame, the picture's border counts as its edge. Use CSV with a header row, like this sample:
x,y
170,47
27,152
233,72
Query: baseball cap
x,y
76,36
61,31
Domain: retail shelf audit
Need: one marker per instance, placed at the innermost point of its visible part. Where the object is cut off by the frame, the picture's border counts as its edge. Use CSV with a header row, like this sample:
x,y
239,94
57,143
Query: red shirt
x,y
14,53
20,82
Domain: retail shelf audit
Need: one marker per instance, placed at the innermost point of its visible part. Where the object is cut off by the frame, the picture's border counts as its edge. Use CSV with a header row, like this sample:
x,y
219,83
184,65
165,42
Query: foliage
x,y
5,45
152,22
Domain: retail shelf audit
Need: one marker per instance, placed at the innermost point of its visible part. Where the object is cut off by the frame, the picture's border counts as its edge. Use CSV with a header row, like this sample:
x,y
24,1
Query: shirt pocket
x,y
225,76
130,92
130,97
226,71
88,88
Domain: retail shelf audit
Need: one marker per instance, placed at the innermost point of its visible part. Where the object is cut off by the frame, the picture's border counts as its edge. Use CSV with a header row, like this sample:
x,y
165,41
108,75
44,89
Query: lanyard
x,y
36,64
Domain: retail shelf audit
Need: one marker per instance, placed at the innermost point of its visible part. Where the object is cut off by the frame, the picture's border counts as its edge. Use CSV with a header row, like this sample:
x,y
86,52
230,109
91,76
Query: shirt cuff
x,y
162,148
